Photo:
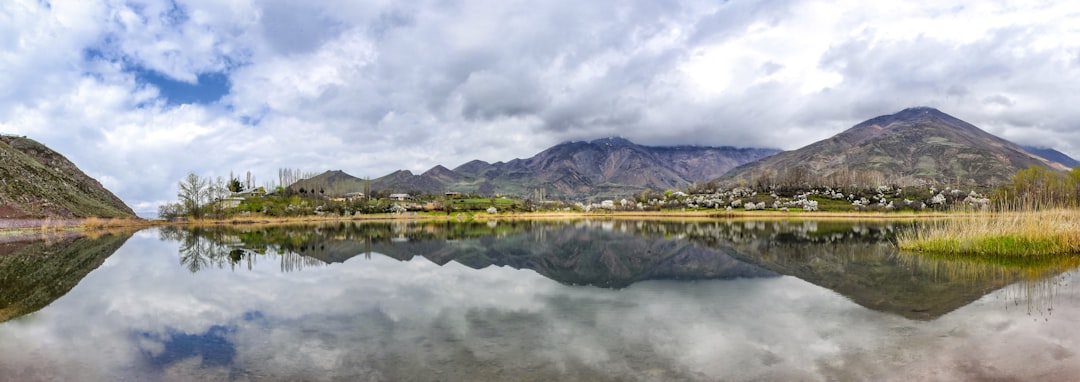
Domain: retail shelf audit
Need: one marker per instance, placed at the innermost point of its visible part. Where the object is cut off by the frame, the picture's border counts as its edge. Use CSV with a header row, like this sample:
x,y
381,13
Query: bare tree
x,y
192,194
216,190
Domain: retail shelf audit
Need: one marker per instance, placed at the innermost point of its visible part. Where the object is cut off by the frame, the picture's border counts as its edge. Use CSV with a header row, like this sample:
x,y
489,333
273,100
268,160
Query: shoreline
x,y
34,225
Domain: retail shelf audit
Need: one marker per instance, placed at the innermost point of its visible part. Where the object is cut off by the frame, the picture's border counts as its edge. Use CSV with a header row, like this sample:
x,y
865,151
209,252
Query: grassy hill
x,y
37,182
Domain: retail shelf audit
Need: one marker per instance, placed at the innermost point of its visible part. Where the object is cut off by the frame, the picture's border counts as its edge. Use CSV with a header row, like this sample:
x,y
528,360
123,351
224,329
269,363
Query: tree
x,y
1037,187
192,194
215,192
235,185
367,189
170,211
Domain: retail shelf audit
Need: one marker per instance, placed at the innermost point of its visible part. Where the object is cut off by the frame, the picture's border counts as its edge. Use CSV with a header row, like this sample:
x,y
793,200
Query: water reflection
x,y
202,248
34,272
413,302
857,260
583,253
1035,281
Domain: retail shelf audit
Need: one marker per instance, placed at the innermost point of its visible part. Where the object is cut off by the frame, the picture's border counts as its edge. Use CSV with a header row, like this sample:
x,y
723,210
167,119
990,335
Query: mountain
x,y
609,167
914,146
334,182
1053,155
37,182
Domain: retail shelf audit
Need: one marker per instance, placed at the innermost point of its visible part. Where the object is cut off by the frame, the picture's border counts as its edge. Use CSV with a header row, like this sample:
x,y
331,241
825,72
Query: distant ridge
x,y
1053,155
608,167
919,145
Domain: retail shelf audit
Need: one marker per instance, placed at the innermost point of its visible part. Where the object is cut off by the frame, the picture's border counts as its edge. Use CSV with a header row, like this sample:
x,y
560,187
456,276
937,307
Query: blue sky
x,y
138,93
207,88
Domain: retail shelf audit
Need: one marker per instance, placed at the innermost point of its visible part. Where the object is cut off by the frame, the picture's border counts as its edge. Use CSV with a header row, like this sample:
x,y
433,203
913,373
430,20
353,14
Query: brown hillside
x,y
915,146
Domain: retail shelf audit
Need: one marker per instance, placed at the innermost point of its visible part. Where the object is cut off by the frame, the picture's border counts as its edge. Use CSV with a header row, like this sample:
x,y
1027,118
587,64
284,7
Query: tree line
x,y
1039,187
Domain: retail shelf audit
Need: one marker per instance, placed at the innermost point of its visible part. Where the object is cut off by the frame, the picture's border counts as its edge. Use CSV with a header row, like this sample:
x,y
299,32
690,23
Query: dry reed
x,y
1014,233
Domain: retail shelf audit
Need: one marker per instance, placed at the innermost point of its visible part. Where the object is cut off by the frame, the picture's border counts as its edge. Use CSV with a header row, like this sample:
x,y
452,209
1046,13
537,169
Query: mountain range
x,y
916,146
609,167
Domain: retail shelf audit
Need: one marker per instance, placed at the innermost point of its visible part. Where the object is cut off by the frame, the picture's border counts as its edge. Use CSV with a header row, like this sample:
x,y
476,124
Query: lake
x,y
581,300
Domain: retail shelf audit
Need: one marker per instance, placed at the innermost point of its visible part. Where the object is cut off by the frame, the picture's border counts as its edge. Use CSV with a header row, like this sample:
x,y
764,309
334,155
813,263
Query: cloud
x,y
373,87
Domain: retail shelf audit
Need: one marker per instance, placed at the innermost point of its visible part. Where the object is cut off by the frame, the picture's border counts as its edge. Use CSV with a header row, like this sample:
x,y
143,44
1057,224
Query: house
x,y
400,197
349,197
354,196
250,192
231,202
238,197
453,195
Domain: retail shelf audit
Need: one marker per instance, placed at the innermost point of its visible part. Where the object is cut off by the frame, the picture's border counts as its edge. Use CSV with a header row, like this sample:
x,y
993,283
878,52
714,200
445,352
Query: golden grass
x,y
1026,233
94,223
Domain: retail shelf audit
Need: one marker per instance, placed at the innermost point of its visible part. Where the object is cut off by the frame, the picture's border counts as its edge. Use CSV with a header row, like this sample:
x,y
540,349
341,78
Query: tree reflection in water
x,y
856,259
203,249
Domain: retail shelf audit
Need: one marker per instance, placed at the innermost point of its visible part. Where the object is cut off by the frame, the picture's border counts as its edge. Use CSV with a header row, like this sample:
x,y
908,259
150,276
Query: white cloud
x,y
372,87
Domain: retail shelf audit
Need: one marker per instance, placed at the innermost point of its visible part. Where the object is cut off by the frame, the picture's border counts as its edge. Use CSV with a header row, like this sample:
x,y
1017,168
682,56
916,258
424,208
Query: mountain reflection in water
x,y
644,301
856,260
34,273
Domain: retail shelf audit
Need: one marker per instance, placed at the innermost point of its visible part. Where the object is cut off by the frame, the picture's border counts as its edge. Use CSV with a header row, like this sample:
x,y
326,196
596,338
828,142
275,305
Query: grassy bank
x,y
1043,232
96,224
19,226
718,215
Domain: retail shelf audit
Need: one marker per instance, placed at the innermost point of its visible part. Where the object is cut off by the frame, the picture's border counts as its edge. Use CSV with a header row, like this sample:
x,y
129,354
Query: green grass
x,y
1005,234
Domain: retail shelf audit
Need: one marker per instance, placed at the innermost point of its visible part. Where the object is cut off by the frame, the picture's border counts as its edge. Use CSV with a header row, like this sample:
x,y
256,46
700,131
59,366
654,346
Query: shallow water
x,y
601,300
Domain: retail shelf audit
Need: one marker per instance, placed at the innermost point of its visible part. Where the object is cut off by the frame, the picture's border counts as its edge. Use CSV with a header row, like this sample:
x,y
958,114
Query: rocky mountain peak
x,y
612,141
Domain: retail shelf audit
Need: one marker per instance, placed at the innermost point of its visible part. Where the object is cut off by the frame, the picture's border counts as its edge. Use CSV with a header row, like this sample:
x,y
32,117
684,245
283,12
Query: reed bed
x,y
95,223
1018,233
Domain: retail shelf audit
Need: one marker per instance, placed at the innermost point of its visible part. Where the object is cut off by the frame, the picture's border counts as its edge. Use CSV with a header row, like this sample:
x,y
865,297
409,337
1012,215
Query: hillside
x,y
915,146
37,182
610,167
333,183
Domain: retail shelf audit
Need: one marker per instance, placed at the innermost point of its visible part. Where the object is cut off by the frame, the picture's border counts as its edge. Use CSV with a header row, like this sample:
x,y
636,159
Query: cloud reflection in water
x,y
144,316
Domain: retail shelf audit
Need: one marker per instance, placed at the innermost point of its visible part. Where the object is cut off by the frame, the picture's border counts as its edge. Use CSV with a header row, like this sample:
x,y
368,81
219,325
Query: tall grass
x,y
1009,232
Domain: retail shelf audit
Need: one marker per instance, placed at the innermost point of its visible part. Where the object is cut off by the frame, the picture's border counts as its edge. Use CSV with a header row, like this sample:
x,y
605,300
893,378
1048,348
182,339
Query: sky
x,y
139,93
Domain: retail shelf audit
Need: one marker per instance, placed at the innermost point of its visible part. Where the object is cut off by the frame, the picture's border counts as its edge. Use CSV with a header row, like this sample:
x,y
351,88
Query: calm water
x,y
593,301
